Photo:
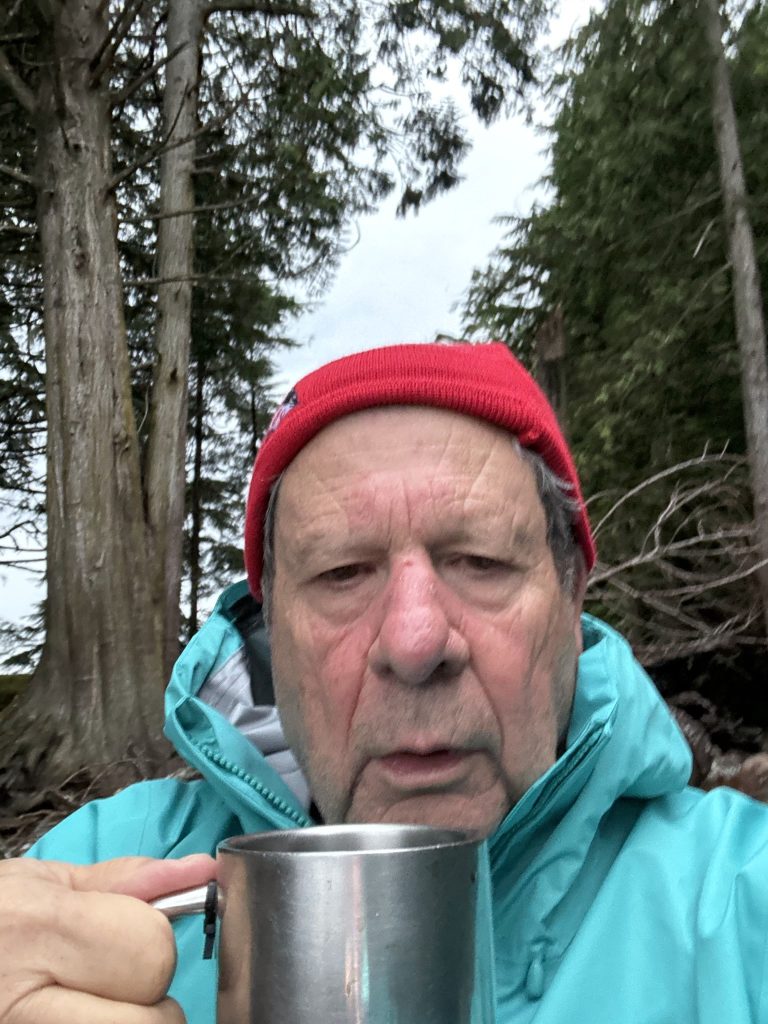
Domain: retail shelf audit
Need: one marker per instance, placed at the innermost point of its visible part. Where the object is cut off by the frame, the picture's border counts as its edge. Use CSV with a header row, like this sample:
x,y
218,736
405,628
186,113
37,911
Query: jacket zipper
x,y
285,809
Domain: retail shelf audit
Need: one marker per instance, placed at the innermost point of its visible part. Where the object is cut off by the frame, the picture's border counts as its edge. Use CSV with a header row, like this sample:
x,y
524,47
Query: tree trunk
x,y
196,505
166,461
747,297
96,694
550,362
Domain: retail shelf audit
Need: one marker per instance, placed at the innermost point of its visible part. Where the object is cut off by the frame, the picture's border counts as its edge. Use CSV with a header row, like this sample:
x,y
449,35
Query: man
x,y
417,538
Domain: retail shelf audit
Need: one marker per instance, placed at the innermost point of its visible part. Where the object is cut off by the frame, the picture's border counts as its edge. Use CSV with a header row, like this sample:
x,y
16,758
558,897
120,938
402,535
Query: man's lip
x,y
433,763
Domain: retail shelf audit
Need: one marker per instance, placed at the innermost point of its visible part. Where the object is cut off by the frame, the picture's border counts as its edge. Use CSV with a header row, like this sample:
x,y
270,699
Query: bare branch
x,y
18,37
152,153
23,94
102,59
16,174
664,474
16,526
691,587
207,208
134,86
18,229
704,236
658,553
28,564
12,10
261,7
163,146
708,585
153,282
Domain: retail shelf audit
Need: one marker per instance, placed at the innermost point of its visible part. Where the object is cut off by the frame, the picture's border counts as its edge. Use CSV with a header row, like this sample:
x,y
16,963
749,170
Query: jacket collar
x,y
623,747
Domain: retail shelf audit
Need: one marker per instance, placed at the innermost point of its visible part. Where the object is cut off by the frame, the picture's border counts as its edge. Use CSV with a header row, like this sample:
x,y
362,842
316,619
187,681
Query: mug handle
x,y
201,900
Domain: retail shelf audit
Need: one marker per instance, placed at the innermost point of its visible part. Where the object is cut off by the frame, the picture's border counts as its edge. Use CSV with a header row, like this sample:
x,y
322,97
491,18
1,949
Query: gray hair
x,y
561,510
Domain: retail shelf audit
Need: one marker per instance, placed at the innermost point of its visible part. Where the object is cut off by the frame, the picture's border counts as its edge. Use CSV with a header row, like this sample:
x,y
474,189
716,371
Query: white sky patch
x,y
405,279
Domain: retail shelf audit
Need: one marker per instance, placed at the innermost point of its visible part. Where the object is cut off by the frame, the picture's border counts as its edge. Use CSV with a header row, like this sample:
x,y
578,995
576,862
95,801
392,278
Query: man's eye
x,y
479,564
343,573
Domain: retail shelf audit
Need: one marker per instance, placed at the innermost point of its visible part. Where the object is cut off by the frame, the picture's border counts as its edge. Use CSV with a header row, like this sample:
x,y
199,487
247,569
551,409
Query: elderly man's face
x,y
424,651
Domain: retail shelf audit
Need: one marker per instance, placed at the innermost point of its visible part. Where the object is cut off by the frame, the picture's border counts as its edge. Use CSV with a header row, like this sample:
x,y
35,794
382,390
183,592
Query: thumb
x,y
144,877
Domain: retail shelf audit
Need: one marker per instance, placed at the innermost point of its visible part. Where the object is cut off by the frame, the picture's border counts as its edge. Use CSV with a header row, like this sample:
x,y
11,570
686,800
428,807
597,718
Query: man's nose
x,y
416,642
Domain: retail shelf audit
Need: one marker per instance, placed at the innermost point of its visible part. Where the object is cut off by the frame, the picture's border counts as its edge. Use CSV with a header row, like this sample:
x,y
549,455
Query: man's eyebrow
x,y
519,537
365,540
486,522
346,542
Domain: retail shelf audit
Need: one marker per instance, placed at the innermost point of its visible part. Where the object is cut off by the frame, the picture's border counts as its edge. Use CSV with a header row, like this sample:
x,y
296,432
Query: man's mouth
x,y
409,767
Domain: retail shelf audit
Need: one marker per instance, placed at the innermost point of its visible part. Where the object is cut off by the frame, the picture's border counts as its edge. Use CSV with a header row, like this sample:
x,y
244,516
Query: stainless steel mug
x,y
351,924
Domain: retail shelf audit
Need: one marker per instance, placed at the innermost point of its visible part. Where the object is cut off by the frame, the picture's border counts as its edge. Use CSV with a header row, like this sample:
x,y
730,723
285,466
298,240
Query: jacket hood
x,y
221,717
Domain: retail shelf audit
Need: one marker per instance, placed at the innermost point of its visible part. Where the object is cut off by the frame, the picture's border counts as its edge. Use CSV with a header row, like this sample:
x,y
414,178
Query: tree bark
x,y
166,462
96,694
196,504
550,362
747,296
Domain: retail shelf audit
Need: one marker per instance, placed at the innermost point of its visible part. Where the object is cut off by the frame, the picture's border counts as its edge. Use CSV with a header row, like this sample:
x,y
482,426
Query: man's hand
x,y
79,945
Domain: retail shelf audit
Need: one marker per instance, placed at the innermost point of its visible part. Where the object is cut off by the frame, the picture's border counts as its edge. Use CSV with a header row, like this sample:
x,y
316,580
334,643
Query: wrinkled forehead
x,y
431,458
390,437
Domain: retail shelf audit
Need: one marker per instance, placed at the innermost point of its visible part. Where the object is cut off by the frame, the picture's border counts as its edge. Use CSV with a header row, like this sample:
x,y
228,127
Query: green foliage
x,y
630,245
20,643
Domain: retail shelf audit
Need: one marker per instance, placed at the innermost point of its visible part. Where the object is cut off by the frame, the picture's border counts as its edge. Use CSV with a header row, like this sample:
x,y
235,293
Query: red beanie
x,y
484,381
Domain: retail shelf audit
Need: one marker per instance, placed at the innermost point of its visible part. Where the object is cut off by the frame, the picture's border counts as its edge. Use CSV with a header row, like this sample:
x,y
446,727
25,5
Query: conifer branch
x,y
17,229
16,174
154,282
261,7
164,145
21,91
153,152
134,86
234,204
104,56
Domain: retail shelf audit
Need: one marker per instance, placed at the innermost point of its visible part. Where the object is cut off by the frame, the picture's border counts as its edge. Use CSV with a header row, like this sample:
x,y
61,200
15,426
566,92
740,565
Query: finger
x,y
58,1005
107,945
150,879
143,877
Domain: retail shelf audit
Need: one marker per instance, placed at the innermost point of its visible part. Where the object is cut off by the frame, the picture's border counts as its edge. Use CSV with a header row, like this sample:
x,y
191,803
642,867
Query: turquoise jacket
x,y
620,894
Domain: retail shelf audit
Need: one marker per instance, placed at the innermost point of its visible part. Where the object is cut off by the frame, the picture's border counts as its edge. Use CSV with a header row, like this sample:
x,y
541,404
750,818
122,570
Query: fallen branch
x,y
691,587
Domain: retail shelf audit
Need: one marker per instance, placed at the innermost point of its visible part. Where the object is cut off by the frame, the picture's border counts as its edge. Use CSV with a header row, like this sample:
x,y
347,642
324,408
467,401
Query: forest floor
x,y
20,829
29,818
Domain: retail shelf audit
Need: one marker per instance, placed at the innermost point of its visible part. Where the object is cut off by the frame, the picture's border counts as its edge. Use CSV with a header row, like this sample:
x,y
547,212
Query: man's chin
x,y
474,815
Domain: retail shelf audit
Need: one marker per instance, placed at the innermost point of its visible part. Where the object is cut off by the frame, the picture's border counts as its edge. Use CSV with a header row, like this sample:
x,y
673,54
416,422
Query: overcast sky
x,y
405,278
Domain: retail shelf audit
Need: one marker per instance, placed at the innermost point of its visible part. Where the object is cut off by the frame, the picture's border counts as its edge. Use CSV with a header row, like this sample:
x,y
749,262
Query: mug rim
x,y
270,841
